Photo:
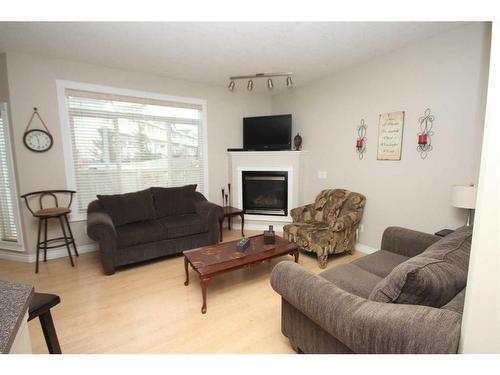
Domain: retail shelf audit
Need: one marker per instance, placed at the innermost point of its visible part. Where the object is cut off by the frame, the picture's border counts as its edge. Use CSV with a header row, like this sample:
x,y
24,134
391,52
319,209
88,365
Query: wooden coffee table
x,y
210,261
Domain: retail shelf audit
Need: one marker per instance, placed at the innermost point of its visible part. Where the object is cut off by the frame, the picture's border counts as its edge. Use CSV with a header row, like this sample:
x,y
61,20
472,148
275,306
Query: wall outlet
x,y
361,228
322,174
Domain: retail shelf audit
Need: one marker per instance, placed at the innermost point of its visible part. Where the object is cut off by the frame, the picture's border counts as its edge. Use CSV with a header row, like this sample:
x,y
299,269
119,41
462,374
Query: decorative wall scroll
x,y
361,140
424,137
390,135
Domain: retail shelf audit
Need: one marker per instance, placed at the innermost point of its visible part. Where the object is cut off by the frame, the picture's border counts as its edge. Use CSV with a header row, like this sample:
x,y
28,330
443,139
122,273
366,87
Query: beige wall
x,y
481,320
4,87
32,82
448,74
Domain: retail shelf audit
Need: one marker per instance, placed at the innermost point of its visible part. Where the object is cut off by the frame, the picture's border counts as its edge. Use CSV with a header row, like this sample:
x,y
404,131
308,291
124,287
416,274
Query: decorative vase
x,y
297,141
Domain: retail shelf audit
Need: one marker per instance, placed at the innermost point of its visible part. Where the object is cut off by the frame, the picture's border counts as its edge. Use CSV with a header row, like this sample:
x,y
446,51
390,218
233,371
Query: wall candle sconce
x,y
424,137
361,140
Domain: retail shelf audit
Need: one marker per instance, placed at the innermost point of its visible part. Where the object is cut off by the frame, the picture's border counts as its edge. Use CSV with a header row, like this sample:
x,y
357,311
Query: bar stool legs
x,y
40,306
49,332
38,244
71,235
43,240
66,240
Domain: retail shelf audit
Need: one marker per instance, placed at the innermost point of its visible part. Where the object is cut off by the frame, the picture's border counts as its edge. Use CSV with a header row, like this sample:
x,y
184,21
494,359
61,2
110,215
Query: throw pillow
x,y
174,200
128,208
432,278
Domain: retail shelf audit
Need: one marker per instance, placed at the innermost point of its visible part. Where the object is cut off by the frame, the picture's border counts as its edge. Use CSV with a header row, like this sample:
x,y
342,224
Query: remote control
x,y
243,244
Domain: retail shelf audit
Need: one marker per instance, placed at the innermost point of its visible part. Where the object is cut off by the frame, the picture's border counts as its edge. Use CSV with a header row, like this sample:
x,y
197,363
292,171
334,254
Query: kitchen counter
x,y
14,303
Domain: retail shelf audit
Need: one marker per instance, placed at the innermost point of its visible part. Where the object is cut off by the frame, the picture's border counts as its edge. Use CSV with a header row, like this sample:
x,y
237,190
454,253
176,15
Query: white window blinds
x,y
8,222
122,144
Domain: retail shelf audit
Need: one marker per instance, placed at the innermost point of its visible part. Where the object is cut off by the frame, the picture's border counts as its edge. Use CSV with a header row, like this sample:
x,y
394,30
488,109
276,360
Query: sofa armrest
x,y
100,228
346,221
366,326
209,210
406,242
302,213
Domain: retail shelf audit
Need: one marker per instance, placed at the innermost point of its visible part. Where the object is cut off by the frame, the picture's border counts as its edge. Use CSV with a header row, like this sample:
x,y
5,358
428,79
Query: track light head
x,y
270,84
289,81
250,85
231,86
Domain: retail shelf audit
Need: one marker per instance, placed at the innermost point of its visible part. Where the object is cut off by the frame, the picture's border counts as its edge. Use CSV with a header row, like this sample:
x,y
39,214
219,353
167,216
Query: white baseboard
x,y
364,248
258,226
51,254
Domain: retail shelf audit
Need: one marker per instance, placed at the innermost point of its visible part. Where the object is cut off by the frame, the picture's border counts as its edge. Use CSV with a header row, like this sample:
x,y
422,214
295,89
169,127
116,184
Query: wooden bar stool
x,y
40,307
54,212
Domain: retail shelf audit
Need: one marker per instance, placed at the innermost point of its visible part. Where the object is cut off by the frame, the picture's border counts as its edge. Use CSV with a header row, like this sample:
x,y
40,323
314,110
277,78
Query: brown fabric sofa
x,y
151,223
327,226
406,298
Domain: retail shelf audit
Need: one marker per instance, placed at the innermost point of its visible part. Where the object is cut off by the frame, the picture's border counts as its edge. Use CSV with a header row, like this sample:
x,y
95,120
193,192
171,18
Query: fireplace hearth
x,y
265,192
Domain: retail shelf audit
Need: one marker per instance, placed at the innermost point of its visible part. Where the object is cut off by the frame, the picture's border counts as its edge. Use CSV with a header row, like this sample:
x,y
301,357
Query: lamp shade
x,y
463,196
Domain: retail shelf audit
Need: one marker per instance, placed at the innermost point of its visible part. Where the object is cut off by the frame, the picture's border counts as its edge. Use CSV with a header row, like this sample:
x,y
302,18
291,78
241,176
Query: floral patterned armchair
x,y
327,226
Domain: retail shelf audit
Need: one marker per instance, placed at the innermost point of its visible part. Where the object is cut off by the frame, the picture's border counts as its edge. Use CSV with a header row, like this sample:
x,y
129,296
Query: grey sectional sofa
x,y
406,298
151,223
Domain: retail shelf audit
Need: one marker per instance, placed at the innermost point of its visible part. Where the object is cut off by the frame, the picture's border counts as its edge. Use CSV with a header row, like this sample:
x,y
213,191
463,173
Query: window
x,y
122,143
9,224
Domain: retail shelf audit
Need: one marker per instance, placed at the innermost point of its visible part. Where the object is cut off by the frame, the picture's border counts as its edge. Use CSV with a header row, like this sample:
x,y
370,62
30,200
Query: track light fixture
x,y
251,77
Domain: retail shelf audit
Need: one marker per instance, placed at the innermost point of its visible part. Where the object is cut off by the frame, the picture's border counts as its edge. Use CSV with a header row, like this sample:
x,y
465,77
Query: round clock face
x,y
38,140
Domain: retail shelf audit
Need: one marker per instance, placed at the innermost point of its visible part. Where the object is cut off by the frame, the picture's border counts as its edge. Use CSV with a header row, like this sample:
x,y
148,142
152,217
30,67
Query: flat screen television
x,y
267,133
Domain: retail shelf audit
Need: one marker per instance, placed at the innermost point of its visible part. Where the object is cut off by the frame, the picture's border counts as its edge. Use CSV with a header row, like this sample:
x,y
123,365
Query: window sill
x,y
13,246
77,217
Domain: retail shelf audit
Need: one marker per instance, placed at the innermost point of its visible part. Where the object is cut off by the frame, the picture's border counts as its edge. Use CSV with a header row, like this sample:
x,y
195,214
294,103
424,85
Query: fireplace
x,y
265,192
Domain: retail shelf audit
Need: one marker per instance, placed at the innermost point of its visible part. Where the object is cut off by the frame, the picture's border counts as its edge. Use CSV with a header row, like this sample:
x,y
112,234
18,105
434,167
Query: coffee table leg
x,y
242,215
296,256
186,268
204,284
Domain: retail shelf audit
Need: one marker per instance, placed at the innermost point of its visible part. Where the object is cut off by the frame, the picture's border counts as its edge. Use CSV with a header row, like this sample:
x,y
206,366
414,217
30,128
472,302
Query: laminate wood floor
x,y
147,309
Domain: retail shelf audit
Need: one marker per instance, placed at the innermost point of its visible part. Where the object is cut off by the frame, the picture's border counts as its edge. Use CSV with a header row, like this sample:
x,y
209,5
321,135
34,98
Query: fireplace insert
x,y
265,193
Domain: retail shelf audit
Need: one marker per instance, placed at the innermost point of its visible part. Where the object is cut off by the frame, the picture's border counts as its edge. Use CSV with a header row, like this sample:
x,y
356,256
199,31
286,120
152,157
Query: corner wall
x,y
446,73
32,83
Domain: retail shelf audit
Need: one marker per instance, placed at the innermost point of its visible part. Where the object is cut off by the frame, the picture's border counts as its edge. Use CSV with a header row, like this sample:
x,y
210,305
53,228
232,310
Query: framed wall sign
x,y
390,135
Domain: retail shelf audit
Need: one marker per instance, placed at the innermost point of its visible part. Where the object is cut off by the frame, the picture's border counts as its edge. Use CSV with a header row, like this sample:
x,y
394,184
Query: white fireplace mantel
x,y
287,161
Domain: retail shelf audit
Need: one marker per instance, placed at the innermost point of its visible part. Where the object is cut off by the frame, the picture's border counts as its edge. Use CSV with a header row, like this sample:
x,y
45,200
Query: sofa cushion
x,y
128,208
457,303
184,225
431,278
174,201
380,263
140,232
352,279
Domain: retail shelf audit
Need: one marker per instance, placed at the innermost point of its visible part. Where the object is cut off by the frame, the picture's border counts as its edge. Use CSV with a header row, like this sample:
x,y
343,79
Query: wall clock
x,y
37,140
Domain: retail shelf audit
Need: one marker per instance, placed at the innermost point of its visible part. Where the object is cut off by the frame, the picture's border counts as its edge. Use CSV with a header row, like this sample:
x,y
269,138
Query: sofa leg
x,y
322,260
295,347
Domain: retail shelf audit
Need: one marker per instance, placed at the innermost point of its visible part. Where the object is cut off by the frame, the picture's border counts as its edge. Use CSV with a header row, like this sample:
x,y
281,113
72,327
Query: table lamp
x,y
464,197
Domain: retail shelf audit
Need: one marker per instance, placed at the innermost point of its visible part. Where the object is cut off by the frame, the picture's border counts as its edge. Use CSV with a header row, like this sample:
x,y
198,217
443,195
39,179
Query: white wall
x,y
32,83
448,74
481,321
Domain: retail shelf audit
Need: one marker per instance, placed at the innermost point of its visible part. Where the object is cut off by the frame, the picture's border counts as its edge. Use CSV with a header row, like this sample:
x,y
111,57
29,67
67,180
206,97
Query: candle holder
x,y
222,189
426,122
361,140
229,192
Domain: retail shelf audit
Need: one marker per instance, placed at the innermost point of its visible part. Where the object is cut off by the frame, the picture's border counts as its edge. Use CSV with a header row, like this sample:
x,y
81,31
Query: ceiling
x,y
210,52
